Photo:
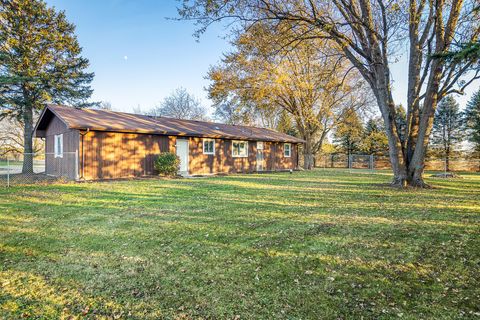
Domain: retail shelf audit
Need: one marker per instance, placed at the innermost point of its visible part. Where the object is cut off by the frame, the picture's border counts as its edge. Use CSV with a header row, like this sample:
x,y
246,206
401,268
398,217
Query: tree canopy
x,y
315,87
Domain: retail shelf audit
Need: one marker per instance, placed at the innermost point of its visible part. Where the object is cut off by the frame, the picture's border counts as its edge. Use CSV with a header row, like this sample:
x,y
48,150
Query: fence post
x,y
8,173
76,165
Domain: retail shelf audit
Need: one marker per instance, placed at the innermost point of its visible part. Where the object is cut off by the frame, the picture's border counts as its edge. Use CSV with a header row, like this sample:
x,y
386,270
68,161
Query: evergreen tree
x,y
447,131
285,124
40,63
472,117
374,140
348,134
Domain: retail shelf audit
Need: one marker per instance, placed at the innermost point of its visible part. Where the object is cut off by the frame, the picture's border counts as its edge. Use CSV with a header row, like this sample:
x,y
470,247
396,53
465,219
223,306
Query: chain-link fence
x,y
371,163
30,168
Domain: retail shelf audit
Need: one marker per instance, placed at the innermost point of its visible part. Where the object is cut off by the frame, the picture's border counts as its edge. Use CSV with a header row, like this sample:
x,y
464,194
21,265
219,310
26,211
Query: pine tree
x,y
40,63
348,134
285,124
472,121
447,131
374,140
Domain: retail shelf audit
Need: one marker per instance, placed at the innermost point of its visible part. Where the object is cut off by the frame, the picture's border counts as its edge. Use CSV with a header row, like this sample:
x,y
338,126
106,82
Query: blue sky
x,y
139,56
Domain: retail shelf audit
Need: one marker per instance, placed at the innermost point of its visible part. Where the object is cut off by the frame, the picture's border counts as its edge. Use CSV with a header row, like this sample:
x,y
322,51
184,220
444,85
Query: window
x,y
58,145
239,149
208,146
287,150
259,145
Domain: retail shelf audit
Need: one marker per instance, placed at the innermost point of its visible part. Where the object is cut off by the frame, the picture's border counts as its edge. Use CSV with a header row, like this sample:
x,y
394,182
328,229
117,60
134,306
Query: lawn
x,y
310,245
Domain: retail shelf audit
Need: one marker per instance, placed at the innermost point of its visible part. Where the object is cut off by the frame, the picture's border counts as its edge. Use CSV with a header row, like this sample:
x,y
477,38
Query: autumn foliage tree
x,y
371,34
314,87
40,62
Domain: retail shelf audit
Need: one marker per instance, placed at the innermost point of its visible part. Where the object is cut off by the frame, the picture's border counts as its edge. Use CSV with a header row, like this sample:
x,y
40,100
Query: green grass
x,y
312,245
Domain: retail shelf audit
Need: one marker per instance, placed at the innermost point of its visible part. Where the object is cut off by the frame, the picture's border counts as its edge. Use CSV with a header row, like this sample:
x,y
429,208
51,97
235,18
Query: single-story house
x,y
103,144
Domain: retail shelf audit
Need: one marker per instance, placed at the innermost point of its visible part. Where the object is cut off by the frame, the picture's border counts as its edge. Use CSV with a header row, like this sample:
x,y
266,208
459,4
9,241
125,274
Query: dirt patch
x,y
30,178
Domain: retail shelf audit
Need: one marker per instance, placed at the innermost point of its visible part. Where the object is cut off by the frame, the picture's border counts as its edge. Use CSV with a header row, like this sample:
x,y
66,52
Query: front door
x,y
182,153
259,155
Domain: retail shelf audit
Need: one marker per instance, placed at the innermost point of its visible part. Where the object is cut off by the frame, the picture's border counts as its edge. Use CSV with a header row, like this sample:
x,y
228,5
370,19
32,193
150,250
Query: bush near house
x,y
167,164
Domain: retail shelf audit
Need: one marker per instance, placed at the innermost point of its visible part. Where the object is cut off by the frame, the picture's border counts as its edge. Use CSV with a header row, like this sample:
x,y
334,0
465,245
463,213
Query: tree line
x,y
455,132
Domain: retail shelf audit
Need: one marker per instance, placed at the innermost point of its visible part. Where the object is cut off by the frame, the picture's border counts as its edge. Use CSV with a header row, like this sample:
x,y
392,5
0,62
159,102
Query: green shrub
x,y
167,164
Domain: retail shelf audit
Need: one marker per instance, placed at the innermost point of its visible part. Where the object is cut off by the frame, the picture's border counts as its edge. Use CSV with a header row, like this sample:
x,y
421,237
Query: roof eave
x,y
188,134
42,114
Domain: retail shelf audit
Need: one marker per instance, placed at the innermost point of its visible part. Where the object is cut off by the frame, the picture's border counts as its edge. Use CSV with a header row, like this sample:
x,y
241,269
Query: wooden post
x,y
8,172
76,165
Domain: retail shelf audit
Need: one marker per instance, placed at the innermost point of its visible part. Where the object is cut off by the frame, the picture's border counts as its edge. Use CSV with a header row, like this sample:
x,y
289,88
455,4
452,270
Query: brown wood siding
x,y
112,155
282,162
121,155
223,161
62,166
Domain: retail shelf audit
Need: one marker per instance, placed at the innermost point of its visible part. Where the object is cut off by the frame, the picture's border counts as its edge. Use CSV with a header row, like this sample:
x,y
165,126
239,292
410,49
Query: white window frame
x,y
285,150
58,145
240,155
208,140
259,145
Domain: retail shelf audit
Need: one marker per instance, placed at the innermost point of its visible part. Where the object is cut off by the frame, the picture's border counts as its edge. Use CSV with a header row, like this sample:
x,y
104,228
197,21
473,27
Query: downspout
x,y
82,177
296,155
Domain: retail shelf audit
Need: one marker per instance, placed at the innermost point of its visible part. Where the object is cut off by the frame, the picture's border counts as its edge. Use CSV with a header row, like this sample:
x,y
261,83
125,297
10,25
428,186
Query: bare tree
x,y
371,34
12,138
103,105
180,105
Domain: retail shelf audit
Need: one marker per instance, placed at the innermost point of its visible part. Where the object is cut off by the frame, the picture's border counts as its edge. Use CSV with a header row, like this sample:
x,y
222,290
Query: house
x,y
88,144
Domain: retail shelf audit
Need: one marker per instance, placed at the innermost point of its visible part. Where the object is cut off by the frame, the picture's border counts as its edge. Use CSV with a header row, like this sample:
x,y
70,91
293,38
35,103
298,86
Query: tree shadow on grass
x,y
221,247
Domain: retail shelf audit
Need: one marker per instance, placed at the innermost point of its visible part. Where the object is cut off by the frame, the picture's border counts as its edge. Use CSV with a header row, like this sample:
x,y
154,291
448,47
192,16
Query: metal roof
x,y
113,121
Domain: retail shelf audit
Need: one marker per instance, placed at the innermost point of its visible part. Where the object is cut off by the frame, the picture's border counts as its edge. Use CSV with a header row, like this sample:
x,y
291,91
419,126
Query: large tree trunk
x,y
308,153
387,108
28,140
447,158
416,164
